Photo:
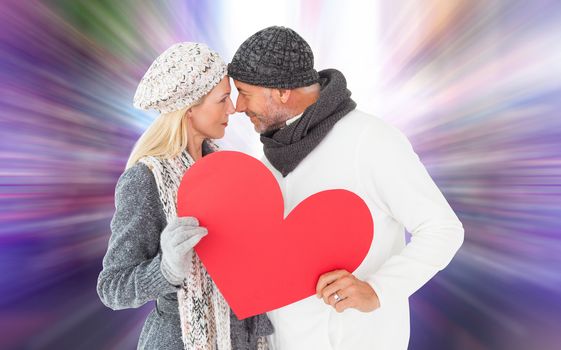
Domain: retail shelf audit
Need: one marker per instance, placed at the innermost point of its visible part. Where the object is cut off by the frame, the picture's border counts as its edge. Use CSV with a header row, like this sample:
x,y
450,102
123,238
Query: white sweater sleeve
x,y
396,180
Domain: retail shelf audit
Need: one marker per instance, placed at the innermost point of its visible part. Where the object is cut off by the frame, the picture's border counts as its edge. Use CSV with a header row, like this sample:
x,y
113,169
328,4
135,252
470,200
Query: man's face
x,y
258,104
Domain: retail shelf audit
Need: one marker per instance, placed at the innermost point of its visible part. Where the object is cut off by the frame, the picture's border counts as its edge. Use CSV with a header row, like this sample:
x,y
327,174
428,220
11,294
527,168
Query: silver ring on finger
x,y
337,297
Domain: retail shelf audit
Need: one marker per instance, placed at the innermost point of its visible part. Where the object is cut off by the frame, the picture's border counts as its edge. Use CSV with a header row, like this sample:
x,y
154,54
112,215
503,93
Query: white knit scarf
x,y
204,314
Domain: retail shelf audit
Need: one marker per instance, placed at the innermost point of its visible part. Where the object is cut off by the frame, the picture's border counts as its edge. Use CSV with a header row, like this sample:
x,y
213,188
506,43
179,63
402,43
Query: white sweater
x,y
367,156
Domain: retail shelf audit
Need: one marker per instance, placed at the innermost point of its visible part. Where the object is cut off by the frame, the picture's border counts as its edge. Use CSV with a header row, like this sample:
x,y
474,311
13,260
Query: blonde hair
x,y
166,137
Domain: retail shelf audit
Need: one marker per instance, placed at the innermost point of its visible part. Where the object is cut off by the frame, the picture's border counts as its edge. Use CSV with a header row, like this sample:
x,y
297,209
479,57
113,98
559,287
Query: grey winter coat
x,y
131,274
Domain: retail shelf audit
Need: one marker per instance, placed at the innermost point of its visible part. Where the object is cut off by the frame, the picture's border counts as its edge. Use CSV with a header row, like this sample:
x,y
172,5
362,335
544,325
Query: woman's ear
x,y
189,113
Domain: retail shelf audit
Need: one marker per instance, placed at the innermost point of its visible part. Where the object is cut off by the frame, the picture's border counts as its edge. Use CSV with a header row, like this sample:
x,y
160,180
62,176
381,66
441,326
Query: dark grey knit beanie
x,y
275,57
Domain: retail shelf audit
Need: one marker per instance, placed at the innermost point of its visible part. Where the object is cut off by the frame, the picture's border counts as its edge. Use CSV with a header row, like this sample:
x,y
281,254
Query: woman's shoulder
x,y
137,192
138,180
138,173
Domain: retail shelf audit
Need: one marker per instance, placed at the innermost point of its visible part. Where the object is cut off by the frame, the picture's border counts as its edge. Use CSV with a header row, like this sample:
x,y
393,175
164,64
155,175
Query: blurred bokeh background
x,y
475,84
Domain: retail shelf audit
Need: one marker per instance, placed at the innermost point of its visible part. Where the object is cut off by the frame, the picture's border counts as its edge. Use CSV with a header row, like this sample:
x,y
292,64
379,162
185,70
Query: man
x,y
314,139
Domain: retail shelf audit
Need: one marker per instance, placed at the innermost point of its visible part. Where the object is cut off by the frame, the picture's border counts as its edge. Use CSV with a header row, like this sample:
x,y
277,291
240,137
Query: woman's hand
x,y
342,290
177,241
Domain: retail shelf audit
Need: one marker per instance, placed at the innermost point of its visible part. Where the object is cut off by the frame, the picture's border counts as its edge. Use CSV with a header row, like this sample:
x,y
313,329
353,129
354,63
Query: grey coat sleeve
x,y
131,273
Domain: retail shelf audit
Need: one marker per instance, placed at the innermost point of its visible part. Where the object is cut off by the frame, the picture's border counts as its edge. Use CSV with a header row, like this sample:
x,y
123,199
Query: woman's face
x,y
210,118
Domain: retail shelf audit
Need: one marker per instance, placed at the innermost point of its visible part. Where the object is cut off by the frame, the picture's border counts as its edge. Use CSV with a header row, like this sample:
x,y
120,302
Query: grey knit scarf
x,y
287,147
206,320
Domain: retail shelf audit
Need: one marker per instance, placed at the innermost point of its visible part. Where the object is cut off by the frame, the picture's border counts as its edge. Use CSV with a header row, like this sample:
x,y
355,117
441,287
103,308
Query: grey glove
x,y
177,241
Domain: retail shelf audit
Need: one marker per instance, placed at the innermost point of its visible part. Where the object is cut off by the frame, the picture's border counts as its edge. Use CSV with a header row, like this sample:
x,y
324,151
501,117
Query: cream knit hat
x,y
179,77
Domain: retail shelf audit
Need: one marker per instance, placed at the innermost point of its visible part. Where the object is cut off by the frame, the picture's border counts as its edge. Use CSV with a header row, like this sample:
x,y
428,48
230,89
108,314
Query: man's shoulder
x,y
358,124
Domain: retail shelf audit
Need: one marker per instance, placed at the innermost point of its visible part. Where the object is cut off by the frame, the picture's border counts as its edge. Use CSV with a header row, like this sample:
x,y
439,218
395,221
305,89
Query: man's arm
x,y
398,182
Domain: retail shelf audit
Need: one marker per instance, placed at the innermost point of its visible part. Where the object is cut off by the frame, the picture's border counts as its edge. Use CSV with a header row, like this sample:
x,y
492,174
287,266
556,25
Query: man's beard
x,y
270,126
275,119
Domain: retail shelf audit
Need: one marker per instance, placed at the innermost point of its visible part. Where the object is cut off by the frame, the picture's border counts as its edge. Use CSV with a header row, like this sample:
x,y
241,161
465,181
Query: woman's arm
x,y
131,274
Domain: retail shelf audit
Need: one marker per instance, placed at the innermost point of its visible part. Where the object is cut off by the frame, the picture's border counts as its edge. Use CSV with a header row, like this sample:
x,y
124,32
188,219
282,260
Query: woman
x,y
150,254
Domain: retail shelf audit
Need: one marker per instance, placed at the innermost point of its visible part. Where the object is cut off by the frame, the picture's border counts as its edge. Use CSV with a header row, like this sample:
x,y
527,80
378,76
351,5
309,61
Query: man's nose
x,y
240,104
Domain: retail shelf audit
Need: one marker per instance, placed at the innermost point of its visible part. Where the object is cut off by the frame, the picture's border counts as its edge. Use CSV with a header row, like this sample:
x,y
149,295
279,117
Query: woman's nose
x,y
230,109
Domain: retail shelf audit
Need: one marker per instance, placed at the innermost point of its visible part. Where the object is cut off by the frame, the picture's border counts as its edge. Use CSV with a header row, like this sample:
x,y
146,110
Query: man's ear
x,y
284,95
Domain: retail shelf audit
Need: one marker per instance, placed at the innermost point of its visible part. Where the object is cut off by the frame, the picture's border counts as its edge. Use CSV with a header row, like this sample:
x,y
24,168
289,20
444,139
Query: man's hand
x,y
352,292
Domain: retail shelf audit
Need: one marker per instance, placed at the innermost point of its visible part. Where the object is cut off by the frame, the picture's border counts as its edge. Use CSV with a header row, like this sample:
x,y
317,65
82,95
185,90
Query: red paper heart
x,y
259,260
